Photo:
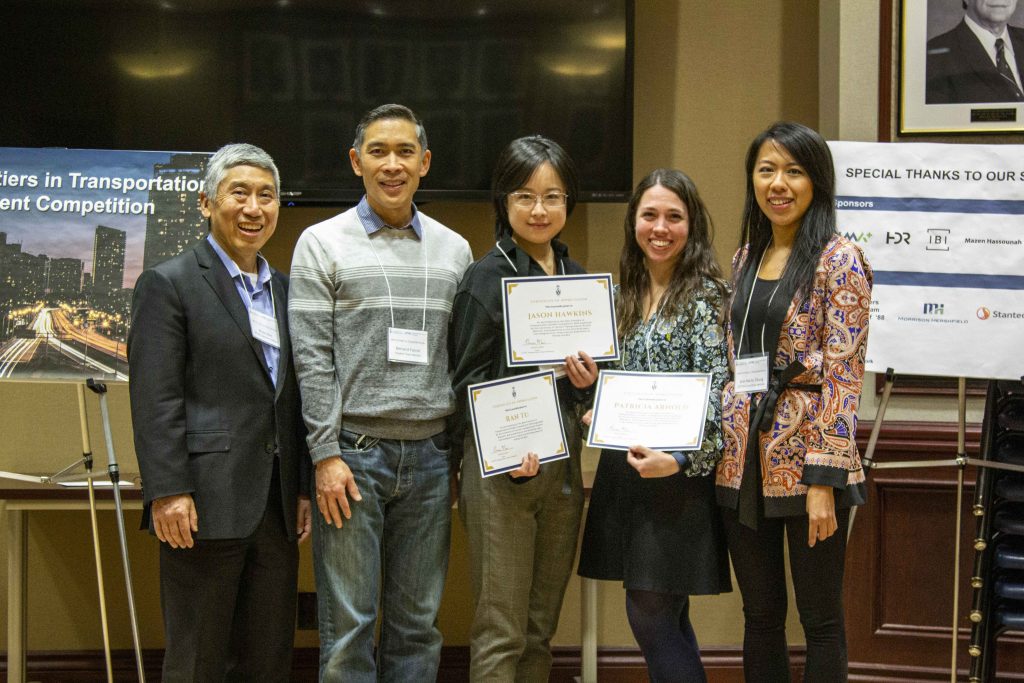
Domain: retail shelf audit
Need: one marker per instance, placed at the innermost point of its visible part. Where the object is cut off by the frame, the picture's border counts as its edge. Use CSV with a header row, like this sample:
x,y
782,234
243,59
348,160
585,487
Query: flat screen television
x,y
294,76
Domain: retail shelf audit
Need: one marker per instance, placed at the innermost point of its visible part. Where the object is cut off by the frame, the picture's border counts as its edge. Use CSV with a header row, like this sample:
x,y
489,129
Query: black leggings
x,y
758,559
661,626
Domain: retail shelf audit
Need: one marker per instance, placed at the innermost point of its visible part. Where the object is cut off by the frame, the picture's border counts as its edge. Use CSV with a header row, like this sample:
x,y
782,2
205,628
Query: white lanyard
x,y
561,264
751,372
252,282
559,369
262,326
426,279
650,331
750,297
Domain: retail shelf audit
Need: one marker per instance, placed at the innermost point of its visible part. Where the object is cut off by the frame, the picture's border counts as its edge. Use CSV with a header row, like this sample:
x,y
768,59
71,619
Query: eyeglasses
x,y
528,200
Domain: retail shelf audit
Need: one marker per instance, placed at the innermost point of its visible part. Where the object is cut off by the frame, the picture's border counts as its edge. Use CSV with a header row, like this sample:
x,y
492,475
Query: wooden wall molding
x,y
616,665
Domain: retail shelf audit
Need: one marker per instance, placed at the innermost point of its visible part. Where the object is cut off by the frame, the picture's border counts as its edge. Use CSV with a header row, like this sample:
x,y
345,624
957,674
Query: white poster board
x,y
943,228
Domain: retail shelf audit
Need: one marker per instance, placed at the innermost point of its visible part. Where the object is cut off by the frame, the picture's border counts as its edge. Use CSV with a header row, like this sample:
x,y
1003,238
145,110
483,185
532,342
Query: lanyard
x,y
426,279
650,331
750,297
515,270
246,282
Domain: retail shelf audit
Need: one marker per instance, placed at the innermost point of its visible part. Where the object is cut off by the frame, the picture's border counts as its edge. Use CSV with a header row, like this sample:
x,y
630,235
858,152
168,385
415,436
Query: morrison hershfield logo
x,y
985,313
932,313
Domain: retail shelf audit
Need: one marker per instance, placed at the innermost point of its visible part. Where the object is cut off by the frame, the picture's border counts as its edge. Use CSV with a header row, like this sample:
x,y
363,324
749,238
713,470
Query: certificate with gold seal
x,y
665,411
549,318
514,416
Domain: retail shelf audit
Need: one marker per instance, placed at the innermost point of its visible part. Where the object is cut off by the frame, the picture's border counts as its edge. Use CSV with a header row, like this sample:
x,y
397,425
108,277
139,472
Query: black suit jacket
x,y
206,416
959,69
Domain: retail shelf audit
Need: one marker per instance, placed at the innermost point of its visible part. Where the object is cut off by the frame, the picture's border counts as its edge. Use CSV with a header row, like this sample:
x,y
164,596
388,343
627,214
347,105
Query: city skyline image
x,y
77,227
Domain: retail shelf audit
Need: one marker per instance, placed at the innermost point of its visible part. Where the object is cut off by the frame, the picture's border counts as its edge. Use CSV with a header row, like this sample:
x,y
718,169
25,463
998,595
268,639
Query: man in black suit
x,y
981,60
219,435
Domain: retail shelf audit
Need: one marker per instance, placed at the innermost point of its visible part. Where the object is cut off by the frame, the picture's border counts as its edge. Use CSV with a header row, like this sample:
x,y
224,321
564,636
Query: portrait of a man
x,y
980,59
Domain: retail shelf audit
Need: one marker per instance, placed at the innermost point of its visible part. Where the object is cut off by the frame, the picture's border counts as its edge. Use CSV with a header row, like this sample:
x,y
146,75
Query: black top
x,y
757,319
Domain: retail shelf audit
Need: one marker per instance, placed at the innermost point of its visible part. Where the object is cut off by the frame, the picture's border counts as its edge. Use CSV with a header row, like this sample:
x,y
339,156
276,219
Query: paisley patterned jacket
x,y
812,437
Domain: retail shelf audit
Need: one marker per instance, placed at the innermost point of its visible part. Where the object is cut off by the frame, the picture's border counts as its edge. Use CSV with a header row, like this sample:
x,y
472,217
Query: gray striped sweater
x,y
339,314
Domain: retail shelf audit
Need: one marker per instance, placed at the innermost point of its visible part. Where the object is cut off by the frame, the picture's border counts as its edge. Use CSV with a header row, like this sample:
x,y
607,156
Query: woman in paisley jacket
x,y
653,523
797,336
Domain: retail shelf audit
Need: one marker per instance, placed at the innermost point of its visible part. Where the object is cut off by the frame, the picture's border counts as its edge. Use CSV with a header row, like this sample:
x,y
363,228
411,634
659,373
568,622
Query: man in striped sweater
x,y
370,299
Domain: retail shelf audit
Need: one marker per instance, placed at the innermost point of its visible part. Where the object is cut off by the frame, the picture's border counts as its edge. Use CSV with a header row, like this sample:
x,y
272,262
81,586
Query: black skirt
x,y
662,535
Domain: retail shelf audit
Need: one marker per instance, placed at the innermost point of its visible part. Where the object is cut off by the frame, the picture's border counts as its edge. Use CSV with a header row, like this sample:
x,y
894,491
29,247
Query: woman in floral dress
x,y
653,523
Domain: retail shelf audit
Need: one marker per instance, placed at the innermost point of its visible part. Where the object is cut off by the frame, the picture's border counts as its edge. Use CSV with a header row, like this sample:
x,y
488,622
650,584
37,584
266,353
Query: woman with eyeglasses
x,y
653,522
521,527
797,339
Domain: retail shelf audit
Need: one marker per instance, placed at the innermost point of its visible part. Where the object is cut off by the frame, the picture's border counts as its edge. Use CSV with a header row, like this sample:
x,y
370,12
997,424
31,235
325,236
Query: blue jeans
x,y
397,538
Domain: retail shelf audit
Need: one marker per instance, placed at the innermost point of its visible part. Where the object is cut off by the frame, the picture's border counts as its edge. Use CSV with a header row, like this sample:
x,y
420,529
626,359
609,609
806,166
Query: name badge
x,y
751,374
407,346
264,328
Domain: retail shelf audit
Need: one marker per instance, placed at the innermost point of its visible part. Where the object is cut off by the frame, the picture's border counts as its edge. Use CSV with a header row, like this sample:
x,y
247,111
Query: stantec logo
x,y
933,309
984,313
859,237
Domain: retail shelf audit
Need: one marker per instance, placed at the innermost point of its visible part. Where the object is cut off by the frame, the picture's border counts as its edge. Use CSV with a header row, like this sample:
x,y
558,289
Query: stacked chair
x,y
998,578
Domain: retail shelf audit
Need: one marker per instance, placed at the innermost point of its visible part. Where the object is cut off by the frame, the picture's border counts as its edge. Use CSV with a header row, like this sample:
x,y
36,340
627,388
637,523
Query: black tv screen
x,y
294,76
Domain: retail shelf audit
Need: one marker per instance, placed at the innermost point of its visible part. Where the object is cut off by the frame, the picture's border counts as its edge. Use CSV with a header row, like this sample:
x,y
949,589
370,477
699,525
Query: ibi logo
x,y
859,237
938,239
934,309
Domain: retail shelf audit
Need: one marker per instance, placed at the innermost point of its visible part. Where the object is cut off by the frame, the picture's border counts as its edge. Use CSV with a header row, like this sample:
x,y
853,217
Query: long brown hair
x,y
696,263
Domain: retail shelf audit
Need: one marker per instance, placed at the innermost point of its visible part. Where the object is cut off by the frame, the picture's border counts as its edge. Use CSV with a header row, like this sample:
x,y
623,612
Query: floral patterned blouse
x,y
692,340
812,439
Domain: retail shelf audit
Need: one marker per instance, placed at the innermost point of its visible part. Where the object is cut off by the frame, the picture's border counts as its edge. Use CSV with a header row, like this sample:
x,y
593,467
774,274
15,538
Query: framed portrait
x,y
960,70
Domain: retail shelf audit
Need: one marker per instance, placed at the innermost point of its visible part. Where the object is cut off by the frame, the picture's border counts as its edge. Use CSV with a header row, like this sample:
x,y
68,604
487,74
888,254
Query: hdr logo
x,y
983,313
934,309
897,238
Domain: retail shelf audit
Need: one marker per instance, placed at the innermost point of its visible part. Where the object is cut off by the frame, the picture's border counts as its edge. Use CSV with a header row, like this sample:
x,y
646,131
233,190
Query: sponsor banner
x,y
943,228
77,227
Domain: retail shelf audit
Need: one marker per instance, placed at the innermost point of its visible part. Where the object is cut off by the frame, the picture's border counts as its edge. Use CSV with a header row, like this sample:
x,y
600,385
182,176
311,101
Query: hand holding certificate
x,y
661,410
515,416
550,318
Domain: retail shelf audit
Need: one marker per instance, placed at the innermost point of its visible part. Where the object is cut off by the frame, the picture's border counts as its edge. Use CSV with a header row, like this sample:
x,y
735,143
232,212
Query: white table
x,y
18,500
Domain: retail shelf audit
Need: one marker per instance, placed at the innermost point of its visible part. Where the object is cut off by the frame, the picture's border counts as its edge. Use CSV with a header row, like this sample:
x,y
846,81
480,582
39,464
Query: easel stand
x,y
114,472
87,462
16,666
961,461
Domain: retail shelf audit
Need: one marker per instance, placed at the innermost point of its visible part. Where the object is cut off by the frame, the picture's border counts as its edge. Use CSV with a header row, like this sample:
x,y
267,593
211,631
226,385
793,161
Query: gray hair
x,y
389,111
237,154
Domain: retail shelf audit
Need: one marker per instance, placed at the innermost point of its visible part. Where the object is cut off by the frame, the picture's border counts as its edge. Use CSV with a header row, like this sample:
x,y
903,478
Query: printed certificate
x,y
515,416
549,318
665,411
